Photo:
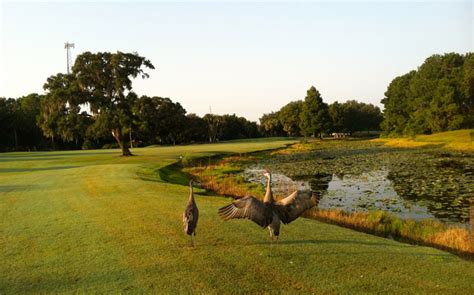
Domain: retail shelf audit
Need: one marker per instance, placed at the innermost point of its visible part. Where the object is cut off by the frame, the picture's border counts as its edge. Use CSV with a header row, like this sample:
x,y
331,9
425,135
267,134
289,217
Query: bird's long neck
x,y
268,194
191,194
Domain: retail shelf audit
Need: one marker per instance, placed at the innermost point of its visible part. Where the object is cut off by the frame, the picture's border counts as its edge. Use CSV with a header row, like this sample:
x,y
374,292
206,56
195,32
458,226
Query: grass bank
x,y
95,222
462,140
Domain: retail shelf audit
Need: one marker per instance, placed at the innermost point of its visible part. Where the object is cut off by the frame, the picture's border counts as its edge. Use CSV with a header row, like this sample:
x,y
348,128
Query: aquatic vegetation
x,y
365,186
440,181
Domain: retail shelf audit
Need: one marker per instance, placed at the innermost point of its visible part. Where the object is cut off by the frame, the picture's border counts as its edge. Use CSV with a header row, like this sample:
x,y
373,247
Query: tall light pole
x,y
68,47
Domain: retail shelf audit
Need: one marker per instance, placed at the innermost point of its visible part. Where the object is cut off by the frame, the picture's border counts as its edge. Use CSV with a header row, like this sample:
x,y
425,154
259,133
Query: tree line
x,y
95,106
30,123
313,117
438,96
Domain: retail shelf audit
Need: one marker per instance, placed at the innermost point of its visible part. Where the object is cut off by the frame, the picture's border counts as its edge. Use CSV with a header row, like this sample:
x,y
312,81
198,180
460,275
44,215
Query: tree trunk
x,y
16,140
125,150
117,134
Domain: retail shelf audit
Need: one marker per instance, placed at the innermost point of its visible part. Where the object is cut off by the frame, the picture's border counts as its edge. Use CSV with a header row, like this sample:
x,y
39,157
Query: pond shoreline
x,y
222,176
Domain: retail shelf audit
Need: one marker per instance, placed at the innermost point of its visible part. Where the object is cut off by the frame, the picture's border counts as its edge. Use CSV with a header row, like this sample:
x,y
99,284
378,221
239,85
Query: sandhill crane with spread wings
x,y
191,214
270,213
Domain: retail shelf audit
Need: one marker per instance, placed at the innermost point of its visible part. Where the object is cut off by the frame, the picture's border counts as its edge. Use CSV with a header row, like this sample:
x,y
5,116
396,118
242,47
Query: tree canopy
x,y
159,120
437,97
289,117
270,125
314,116
18,120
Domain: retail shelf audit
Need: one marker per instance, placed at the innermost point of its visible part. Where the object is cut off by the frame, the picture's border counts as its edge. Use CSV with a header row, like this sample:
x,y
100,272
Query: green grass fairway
x,y
88,221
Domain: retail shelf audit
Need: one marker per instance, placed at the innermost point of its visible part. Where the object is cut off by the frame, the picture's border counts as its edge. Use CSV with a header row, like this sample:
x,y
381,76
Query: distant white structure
x,y
68,47
339,135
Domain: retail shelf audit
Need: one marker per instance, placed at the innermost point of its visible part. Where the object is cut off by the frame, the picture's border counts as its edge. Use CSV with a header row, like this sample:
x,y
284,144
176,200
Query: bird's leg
x,y
277,249
271,232
271,239
191,241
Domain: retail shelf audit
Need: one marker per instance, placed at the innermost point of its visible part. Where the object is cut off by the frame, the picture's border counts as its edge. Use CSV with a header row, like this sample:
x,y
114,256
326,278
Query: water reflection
x,y
281,184
370,191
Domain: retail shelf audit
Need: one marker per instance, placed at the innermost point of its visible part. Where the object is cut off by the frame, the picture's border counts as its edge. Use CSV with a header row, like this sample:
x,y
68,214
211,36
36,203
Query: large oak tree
x,y
103,82
60,112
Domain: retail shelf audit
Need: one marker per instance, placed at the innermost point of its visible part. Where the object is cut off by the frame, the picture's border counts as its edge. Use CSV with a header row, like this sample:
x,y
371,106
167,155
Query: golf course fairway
x,y
96,222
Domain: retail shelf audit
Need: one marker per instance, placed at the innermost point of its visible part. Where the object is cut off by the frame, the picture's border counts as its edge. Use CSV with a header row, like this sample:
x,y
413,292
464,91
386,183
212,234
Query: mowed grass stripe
x,y
52,247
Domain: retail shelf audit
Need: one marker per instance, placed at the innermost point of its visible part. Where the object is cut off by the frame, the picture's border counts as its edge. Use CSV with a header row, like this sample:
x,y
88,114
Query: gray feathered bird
x,y
270,213
191,214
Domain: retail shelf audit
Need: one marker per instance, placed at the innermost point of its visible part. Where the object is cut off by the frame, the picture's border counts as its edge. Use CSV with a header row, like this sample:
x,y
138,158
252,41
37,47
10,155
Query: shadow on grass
x,y
10,170
275,248
26,159
466,256
355,243
168,174
36,155
296,242
174,174
16,188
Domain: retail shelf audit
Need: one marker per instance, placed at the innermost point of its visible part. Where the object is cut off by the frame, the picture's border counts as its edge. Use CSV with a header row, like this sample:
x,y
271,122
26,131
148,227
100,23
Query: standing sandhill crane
x,y
269,213
191,215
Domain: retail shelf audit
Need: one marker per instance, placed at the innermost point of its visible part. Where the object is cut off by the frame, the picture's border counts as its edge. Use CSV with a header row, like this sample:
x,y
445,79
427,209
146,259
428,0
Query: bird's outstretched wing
x,y
249,208
291,207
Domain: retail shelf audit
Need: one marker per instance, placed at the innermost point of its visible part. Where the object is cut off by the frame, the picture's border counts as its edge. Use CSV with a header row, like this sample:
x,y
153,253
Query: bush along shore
x,y
223,176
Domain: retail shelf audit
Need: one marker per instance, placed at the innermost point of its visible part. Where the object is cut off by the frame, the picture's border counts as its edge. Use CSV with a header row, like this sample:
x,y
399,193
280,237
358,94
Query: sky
x,y
246,58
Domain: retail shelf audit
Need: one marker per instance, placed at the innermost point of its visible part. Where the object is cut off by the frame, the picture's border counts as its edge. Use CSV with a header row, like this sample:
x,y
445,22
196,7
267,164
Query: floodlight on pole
x,y
68,47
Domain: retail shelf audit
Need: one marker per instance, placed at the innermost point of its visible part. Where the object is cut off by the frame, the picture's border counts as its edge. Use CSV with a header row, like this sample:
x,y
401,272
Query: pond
x,y
410,183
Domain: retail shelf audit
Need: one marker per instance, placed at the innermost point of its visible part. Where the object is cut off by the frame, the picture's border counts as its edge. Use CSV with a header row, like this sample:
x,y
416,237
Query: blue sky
x,y
244,58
